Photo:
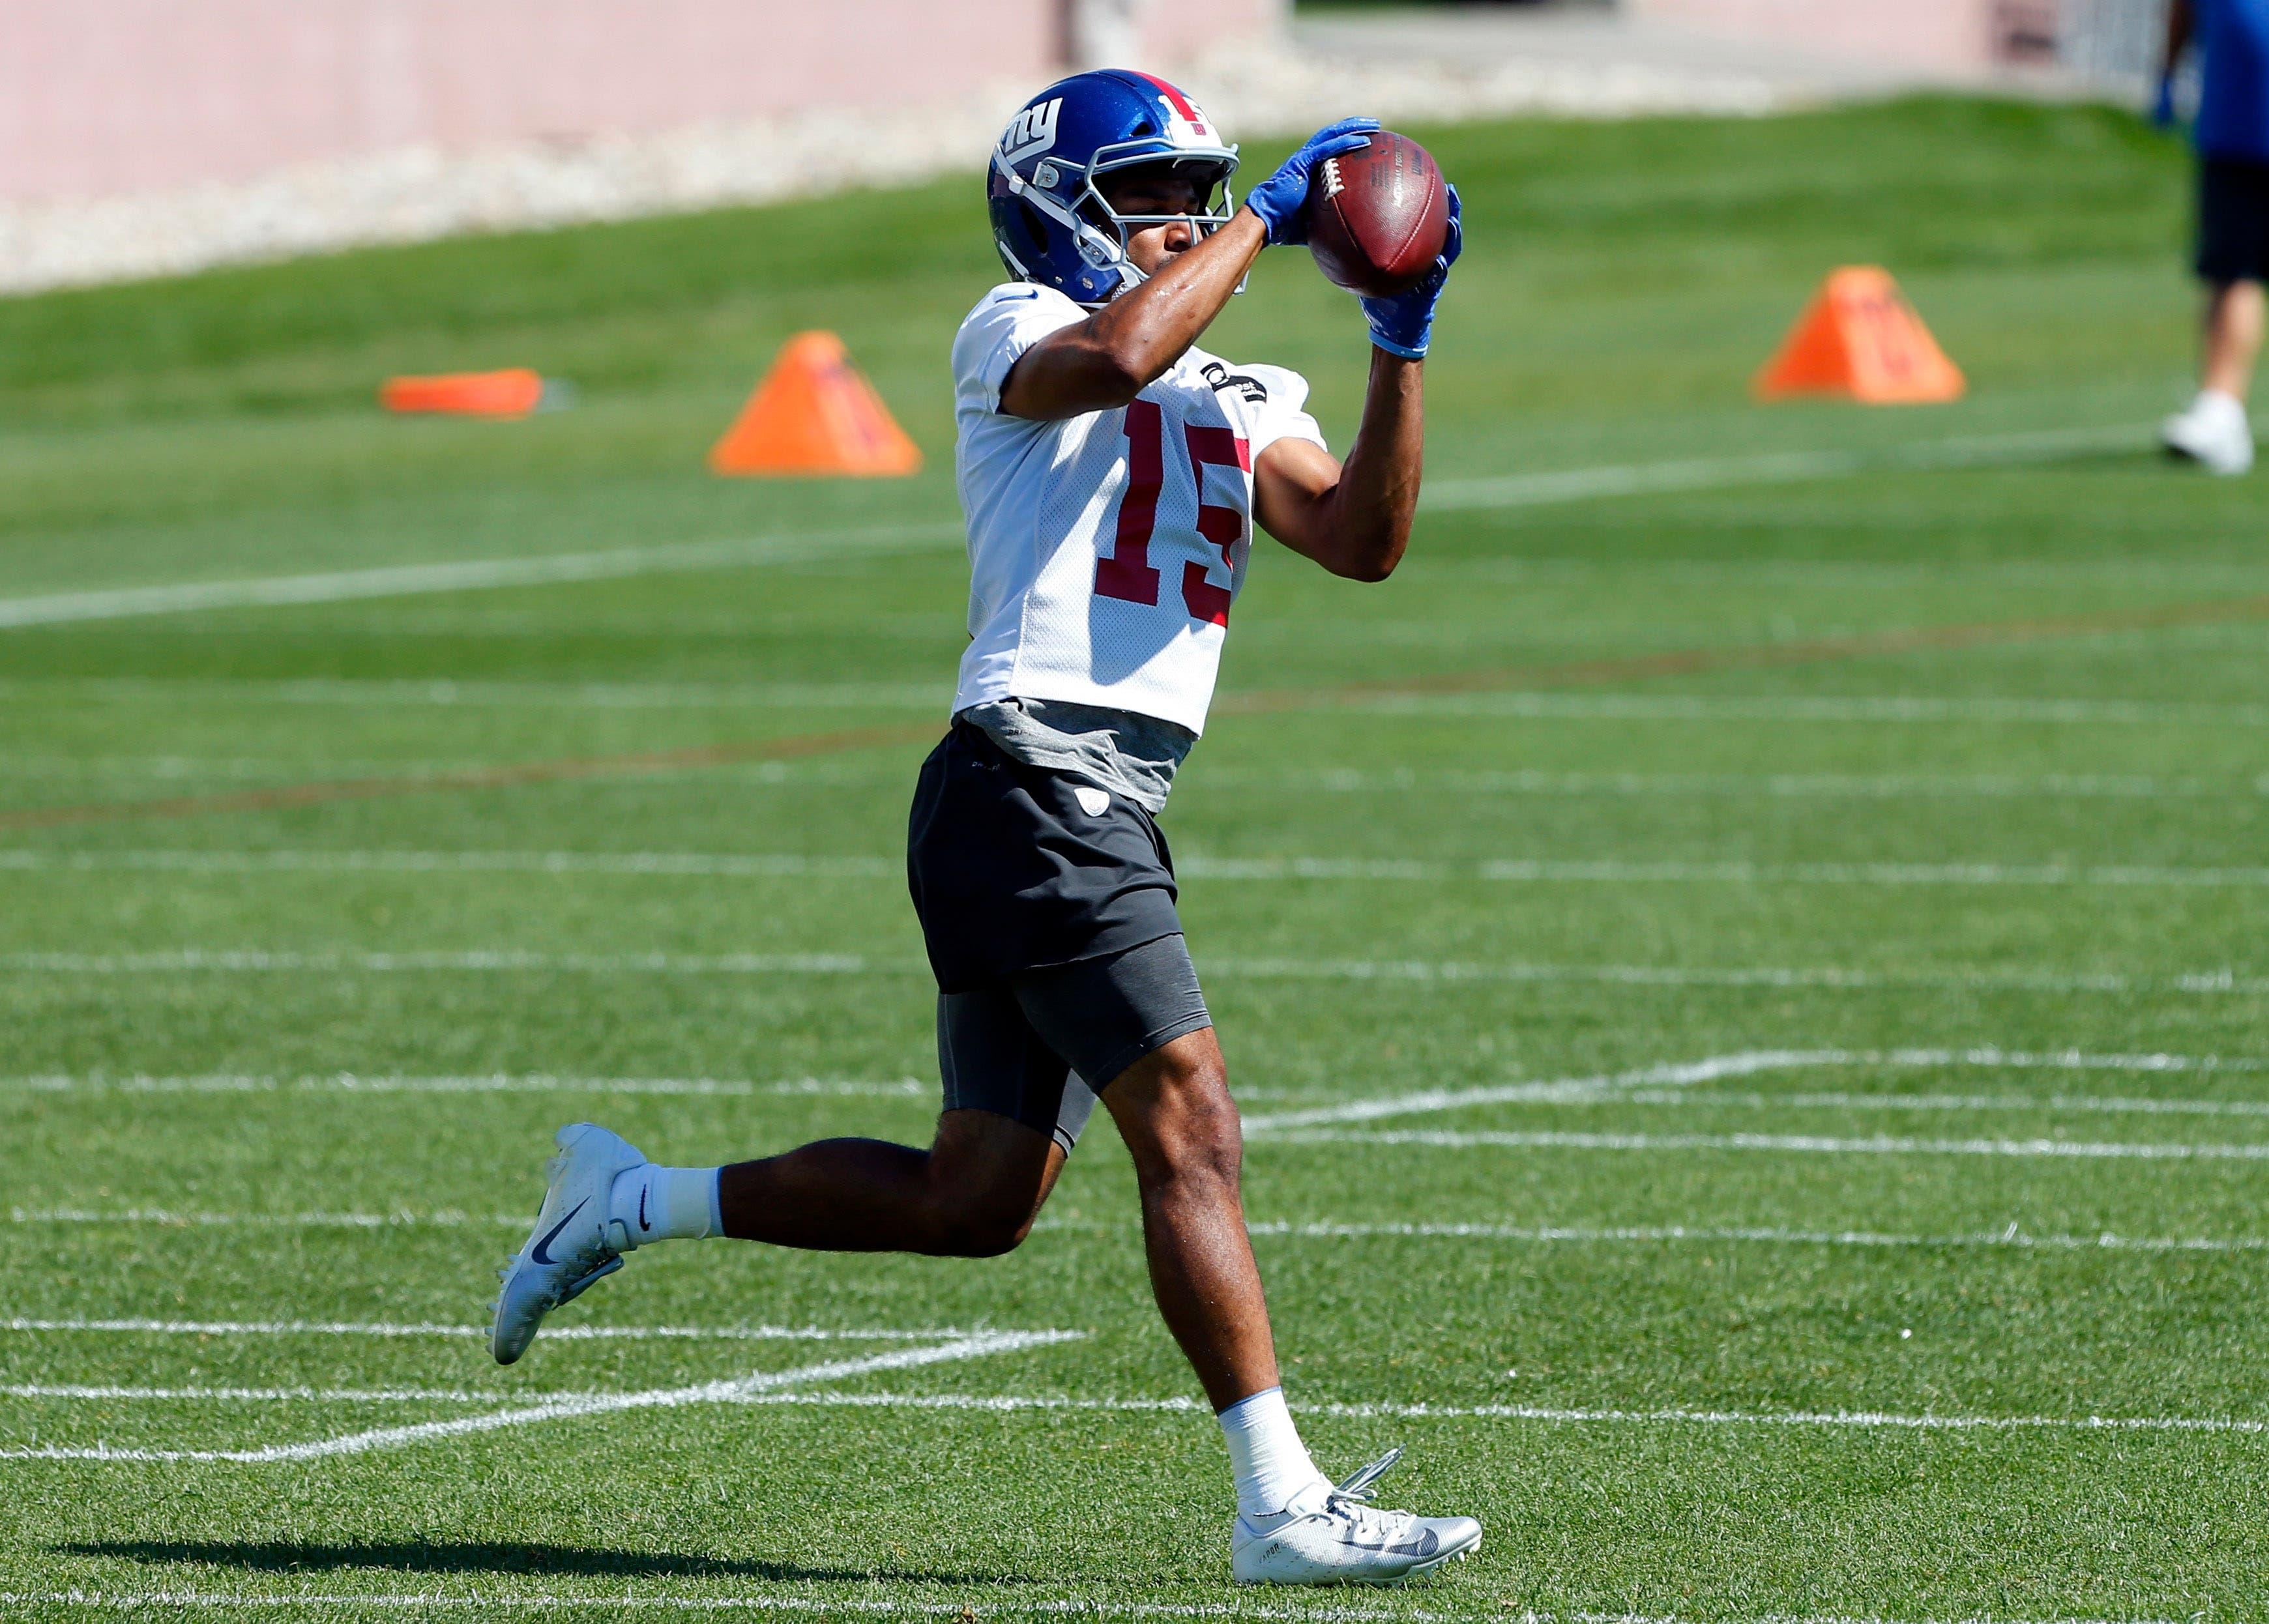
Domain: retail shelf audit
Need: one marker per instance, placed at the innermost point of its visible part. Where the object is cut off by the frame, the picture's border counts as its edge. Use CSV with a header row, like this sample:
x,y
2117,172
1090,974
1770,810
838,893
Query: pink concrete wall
x,y
1955,35
103,97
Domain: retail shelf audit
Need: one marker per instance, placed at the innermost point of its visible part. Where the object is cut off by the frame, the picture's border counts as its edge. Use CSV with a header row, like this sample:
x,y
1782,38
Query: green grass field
x,y
1746,973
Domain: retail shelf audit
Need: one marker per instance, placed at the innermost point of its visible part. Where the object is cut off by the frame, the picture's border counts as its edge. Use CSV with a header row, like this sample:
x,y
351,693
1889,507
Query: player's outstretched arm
x,y
1355,518
1106,361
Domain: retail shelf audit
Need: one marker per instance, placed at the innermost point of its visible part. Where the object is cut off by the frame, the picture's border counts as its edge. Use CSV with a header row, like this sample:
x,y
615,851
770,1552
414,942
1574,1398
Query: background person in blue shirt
x,y
2232,239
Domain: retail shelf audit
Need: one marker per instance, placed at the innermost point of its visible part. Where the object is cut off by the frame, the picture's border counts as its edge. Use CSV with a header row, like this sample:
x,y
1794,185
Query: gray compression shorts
x,y
1038,1046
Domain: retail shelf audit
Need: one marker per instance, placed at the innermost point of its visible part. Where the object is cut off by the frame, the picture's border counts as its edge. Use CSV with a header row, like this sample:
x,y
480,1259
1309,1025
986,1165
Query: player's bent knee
x,y
979,1224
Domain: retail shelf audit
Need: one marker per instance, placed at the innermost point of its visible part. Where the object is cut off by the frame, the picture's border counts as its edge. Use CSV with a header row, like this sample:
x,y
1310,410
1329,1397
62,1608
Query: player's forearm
x,y
1376,497
1143,332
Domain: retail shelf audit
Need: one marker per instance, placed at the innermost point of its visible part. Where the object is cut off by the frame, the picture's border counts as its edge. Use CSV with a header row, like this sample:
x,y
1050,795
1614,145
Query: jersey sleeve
x,y
1007,322
1283,415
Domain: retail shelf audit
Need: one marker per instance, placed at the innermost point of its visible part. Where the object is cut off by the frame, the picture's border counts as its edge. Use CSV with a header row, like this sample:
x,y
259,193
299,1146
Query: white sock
x,y
1264,1446
650,1203
2221,403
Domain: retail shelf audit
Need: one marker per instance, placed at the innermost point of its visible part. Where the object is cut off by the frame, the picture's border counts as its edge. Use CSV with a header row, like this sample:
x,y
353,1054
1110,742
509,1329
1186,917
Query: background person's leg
x,y
2234,317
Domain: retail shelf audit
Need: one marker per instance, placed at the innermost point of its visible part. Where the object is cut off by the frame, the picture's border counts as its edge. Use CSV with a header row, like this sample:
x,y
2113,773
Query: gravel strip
x,y
419,194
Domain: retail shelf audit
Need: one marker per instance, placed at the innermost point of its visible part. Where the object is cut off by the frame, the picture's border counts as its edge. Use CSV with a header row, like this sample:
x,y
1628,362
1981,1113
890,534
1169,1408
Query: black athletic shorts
x,y
1014,868
2233,223
1037,1046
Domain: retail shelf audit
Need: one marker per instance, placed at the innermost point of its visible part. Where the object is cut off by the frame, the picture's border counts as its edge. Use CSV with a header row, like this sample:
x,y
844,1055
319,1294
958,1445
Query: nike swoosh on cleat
x,y
643,1224
539,1252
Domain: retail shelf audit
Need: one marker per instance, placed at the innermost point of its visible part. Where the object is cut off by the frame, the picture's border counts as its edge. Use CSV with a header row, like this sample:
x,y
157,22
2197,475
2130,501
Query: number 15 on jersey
x,y
1126,572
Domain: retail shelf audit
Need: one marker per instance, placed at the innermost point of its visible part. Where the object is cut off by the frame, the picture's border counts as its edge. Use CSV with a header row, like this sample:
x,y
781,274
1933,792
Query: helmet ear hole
x,y
1035,227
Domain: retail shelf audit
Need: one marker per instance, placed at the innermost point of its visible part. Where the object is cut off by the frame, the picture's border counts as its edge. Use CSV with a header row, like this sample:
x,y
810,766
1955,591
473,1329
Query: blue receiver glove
x,y
2163,105
1403,325
1282,200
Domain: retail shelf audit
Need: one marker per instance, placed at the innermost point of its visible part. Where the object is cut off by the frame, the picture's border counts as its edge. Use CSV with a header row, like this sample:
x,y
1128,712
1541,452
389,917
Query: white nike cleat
x,y
1333,1536
2214,433
570,1247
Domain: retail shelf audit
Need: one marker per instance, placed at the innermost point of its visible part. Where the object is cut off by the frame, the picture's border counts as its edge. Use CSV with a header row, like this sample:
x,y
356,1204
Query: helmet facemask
x,y
1100,231
1208,173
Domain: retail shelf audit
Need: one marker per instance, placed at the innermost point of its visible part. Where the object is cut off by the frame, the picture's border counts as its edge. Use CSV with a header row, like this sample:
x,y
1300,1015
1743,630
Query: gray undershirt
x,y
1129,754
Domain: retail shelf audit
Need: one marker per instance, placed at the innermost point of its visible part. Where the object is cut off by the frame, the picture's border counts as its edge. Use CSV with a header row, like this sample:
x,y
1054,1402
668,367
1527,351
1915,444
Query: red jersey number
x,y
1126,572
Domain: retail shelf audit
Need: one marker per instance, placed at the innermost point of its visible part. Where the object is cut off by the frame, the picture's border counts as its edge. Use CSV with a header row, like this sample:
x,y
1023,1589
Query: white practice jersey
x,y
1104,551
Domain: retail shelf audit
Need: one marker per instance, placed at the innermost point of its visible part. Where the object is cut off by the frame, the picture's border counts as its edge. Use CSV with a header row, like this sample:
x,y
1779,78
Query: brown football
x,y
1377,216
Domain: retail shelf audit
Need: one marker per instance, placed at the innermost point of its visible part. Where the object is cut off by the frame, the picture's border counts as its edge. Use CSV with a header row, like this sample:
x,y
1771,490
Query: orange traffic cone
x,y
814,414
513,392
1859,337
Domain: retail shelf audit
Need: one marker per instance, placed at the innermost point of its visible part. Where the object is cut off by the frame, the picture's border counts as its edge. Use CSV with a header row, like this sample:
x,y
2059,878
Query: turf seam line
x,y
976,1345
792,865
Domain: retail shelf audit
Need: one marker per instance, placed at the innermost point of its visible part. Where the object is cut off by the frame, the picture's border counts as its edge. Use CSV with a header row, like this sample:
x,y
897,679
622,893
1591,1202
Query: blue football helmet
x,y
1051,224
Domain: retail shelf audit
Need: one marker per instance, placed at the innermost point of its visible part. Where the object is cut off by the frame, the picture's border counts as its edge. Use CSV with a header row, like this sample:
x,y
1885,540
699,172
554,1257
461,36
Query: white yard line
x,y
402,580
262,1395
394,692
1823,978
995,1602
350,1083
1546,705
1512,491
1609,1086
973,1346
792,865
1771,468
1419,971
1865,786
1630,1086
1839,710
1867,1419
1218,779
1792,1144
774,1389
699,865
2082,1104
258,961
2011,1237
386,1328
163,1218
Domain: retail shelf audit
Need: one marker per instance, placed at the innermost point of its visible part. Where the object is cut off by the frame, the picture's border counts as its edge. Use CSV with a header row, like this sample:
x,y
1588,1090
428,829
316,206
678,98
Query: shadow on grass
x,y
407,1556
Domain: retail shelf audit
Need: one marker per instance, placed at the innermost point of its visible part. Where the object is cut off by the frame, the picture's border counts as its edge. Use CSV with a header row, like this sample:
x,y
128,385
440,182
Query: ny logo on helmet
x,y
1032,130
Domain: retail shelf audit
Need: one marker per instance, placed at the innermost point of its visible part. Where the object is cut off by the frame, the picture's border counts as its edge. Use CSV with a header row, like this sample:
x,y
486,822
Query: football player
x,y
1111,474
